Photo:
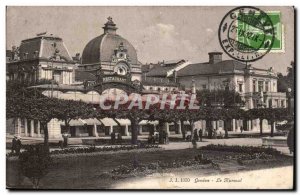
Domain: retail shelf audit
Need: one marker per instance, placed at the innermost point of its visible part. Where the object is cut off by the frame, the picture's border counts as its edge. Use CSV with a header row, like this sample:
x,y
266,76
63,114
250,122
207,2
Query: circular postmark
x,y
246,33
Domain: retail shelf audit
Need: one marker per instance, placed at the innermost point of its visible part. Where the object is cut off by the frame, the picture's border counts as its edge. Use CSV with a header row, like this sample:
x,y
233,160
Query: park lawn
x,y
92,171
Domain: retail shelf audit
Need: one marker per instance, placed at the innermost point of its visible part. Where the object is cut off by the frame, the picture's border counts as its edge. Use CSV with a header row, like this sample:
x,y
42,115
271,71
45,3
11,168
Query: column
x,y
233,125
257,124
95,133
240,124
274,125
39,128
203,125
248,125
154,128
179,127
214,125
167,129
256,86
111,129
31,128
126,133
140,129
217,125
26,127
18,129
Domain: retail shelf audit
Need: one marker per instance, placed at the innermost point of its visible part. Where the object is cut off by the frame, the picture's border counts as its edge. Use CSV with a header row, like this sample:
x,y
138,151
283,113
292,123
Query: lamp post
x,y
289,100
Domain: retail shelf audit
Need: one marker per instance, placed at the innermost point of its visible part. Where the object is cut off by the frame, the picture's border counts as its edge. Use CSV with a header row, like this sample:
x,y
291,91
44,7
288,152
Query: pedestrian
x,y
13,144
189,136
200,134
196,137
160,137
156,137
167,138
183,135
113,137
18,145
150,139
215,134
164,135
119,138
65,137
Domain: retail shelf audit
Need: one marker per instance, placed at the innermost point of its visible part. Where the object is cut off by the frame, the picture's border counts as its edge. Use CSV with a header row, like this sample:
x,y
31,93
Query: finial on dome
x,y
110,26
110,19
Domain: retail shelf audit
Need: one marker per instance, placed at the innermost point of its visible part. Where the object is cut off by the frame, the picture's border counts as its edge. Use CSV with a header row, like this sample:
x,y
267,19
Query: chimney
x,y
110,26
193,87
215,57
175,76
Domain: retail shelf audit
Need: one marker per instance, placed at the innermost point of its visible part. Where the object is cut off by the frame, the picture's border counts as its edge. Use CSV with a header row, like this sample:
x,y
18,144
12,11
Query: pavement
x,y
273,178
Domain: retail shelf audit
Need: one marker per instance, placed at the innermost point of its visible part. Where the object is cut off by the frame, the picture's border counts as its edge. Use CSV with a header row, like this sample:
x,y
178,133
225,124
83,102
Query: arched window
x,y
151,88
158,89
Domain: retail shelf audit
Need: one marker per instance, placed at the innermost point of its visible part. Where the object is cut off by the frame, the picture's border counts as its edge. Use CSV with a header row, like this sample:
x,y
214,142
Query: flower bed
x,y
255,158
241,149
136,169
93,149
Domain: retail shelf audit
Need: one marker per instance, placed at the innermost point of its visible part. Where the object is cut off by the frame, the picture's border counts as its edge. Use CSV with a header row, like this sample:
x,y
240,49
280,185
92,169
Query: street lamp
x,y
289,99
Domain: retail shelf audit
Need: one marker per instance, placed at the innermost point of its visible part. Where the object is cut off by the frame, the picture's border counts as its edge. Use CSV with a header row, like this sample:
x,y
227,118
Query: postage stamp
x,y
247,33
278,44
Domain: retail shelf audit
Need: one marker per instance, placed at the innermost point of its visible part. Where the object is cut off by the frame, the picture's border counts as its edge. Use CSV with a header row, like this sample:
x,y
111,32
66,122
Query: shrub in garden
x,y
92,149
240,149
34,163
290,140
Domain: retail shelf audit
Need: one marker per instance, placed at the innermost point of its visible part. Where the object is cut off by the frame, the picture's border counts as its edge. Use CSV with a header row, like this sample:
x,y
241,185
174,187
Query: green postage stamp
x,y
278,43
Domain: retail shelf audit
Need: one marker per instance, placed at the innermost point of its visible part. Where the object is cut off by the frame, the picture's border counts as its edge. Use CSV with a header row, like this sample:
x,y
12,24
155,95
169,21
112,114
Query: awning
x,y
108,122
146,122
124,122
78,122
92,121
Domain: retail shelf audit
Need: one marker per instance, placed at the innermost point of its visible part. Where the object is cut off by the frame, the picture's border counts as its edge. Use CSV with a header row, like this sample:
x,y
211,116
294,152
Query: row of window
x,y
240,85
277,103
161,89
263,86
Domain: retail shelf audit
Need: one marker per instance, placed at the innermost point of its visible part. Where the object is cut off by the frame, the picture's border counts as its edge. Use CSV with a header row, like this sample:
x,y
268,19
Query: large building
x,y
109,65
257,87
44,57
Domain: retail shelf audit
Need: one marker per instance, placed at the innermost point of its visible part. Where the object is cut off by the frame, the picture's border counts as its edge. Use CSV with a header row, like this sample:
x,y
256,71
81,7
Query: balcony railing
x,y
265,94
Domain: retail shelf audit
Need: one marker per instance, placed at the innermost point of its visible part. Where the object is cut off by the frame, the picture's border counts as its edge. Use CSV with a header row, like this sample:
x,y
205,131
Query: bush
x,y
240,149
34,163
290,140
92,149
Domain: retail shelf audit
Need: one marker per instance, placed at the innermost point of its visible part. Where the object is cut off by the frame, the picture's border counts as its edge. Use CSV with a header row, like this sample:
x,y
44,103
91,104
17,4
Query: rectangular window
x,y
254,86
240,87
282,103
277,103
203,86
267,86
260,86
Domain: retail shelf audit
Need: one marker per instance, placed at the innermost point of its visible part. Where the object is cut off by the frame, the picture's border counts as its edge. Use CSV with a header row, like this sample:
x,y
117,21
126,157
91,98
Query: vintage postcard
x,y
156,98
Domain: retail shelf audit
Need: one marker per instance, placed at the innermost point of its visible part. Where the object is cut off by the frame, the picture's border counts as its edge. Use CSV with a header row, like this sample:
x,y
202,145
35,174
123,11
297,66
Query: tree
x,y
261,114
209,114
287,81
276,114
43,110
34,163
71,110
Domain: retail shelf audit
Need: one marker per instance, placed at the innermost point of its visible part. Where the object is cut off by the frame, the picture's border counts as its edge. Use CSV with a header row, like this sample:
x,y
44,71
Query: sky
x,y
157,33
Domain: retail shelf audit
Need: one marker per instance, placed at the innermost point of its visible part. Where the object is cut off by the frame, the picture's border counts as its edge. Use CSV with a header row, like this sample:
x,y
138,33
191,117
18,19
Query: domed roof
x,y
102,48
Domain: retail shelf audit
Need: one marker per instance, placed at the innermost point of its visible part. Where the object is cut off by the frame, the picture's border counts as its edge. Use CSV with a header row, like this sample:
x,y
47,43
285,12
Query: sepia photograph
x,y
150,97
